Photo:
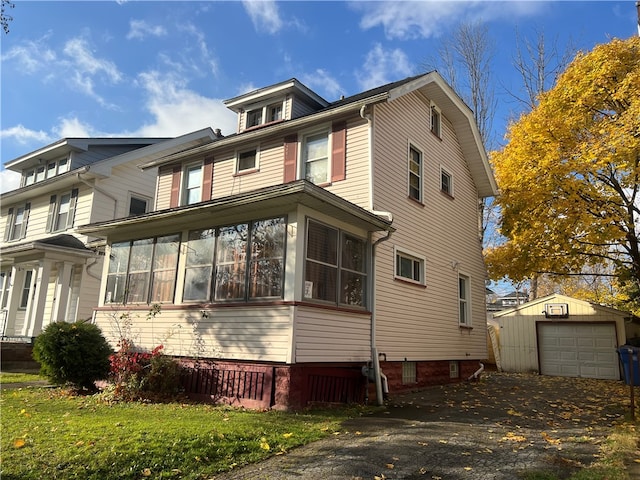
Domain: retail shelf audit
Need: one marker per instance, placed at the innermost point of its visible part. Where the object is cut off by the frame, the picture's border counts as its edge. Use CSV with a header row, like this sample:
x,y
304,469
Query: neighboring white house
x,y
563,336
321,238
49,272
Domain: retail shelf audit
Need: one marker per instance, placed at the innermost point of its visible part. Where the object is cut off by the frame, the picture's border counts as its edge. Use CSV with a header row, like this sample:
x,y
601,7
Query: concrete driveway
x,y
498,428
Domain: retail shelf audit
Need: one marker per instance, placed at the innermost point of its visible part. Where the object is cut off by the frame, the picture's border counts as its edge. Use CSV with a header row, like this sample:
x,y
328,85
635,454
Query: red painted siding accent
x,y
207,176
338,151
175,186
290,158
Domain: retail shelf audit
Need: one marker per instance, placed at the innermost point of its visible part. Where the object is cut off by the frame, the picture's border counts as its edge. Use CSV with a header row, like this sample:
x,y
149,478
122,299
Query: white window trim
x,y
302,162
414,146
467,300
436,131
148,199
264,108
414,256
446,171
256,167
185,178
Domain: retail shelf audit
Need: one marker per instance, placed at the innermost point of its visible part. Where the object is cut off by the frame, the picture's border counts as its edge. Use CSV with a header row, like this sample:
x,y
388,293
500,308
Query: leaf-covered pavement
x,y
499,428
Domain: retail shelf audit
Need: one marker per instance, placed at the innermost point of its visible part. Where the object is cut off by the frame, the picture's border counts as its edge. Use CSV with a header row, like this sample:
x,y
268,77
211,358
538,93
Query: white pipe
x,y
477,372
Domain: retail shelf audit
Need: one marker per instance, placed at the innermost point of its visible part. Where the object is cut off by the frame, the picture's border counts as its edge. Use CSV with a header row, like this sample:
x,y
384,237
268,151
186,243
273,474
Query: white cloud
x,y
9,180
139,29
73,127
264,15
425,19
32,56
383,66
206,57
321,80
178,110
23,135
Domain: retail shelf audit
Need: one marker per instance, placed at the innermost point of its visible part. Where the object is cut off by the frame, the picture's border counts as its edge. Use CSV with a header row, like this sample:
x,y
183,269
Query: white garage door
x,y
578,350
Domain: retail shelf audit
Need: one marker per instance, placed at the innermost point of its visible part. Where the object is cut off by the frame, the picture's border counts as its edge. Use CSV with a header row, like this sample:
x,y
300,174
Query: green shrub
x,y
72,353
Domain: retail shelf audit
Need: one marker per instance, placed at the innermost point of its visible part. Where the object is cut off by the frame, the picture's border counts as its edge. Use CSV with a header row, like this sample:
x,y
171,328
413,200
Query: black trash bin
x,y
629,354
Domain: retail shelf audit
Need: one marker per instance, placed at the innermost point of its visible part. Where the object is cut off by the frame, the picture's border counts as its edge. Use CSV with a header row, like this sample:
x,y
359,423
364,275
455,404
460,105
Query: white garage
x,y
578,350
563,336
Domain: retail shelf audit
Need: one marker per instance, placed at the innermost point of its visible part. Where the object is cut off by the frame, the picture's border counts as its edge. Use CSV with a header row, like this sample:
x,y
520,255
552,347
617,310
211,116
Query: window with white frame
x,y
247,160
446,182
415,173
464,295
409,267
236,262
254,117
315,157
192,184
16,226
335,267
143,271
41,173
29,178
5,284
51,169
436,120
274,112
138,204
62,211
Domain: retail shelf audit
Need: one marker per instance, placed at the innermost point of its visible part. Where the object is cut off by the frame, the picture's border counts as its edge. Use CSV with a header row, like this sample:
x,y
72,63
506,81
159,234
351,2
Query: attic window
x,y
435,120
254,117
274,112
556,310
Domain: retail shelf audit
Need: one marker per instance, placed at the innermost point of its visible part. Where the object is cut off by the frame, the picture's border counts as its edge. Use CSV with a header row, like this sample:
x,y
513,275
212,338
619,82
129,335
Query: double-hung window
x,y
409,267
315,157
415,173
26,289
192,184
138,204
62,211
29,178
464,295
335,268
16,226
247,160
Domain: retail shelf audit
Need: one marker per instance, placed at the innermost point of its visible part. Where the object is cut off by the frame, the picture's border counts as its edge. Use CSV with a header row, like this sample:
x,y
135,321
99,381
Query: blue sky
x,y
143,68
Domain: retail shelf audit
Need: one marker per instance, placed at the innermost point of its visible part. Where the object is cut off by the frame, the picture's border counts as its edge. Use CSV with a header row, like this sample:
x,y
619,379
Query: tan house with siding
x,y
322,246
49,272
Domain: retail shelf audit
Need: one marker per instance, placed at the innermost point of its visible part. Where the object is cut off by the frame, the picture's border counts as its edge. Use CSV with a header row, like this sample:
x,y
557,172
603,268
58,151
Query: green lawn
x,y
47,433
7,377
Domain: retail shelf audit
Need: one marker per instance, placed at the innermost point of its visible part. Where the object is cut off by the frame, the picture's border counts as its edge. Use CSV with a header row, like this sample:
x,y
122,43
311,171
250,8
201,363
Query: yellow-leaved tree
x,y
568,176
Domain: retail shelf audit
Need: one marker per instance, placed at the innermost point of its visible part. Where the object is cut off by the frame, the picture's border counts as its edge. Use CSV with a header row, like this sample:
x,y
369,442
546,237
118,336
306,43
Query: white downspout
x,y
379,377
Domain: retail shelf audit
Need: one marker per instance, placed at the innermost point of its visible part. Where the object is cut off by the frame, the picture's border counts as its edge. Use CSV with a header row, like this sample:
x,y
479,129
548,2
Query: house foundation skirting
x,y
290,387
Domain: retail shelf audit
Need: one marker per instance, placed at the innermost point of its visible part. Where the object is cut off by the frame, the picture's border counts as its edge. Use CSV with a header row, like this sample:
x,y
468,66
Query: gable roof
x,y
557,298
431,84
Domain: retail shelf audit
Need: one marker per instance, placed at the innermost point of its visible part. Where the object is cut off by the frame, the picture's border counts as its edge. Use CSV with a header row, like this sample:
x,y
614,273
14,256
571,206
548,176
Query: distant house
x,y
496,303
49,272
322,246
563,336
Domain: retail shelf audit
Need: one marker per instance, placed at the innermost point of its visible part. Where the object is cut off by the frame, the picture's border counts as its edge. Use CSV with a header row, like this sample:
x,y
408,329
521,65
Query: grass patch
x,y
47,433
9,377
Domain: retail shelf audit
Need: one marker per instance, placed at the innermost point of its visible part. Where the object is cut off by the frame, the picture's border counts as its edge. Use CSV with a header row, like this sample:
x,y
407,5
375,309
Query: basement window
x,y
409,373
454,370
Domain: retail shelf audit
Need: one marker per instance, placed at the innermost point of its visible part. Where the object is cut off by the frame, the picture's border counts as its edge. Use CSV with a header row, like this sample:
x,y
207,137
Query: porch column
x,y
61,293
13,299
37,302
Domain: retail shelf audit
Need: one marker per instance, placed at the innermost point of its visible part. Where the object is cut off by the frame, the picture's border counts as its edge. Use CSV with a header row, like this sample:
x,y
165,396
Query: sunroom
x,y
276,277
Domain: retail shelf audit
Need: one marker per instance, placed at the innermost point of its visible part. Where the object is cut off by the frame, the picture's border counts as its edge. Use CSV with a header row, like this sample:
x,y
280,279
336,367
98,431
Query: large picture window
x,y
143,271
335,268
248,261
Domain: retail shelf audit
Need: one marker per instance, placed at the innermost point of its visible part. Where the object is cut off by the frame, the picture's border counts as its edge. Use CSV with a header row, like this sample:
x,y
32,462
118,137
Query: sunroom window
x,y
335,268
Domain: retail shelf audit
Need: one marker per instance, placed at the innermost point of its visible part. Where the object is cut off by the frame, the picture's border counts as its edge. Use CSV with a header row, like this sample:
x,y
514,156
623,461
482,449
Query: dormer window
x,y
42,172
254,117
274,112
30,178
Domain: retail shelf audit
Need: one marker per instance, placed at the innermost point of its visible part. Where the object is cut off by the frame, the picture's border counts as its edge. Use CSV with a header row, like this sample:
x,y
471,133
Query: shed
x,y
563,336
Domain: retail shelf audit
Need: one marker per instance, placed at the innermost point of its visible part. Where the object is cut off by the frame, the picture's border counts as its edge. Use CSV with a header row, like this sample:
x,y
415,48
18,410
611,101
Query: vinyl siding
x,y
163,189
243,333
415,322
331,336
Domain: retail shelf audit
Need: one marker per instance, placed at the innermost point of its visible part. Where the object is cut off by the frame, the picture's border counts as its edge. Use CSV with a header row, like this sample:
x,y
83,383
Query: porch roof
x,y
244,206
59,247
